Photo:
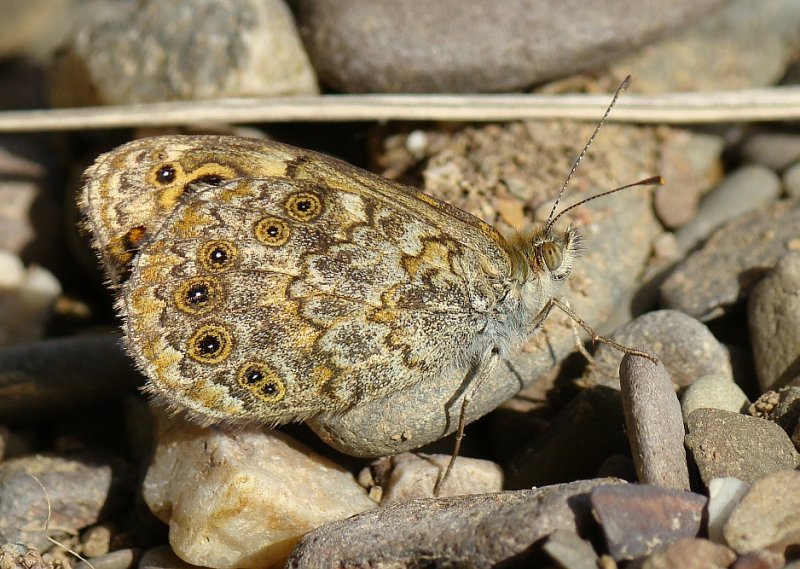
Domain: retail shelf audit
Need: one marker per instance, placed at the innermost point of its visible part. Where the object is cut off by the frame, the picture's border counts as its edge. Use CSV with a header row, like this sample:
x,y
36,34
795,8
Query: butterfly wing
x,y
274,299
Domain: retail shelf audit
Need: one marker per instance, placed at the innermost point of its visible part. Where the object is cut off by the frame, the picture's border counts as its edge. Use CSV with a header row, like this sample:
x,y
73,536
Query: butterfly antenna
x,y
621,89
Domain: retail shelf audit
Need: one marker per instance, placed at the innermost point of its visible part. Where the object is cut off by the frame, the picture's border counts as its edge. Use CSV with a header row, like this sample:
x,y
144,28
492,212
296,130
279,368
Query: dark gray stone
x,y
471,531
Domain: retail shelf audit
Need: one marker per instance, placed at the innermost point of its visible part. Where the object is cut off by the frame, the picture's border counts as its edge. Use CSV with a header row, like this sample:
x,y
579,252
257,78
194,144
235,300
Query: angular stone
x,y
570,551
637,519
479,531
773,314
251,494
654,423
727,444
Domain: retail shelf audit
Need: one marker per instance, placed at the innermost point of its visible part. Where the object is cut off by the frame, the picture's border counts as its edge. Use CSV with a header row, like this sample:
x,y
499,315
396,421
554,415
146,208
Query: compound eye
x,y
552,255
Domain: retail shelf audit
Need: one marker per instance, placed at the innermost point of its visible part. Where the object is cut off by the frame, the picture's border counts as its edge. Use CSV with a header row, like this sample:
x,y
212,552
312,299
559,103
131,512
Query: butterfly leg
x,y
487,366
566,309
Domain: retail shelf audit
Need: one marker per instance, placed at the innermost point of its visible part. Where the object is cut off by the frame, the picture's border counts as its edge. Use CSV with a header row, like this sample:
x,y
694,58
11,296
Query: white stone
x,y
243,498
713,392
12,271
723,496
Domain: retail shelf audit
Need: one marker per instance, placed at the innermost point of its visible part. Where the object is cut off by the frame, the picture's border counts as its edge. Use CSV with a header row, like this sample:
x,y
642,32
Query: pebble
x,y
685,346
162,557
48,376
727,444
578,441
408,476
717,54
781,407
766,518
653,423
773,315
637,519
481,530
761,559
95,541
743,190
714,392
118,559
719,274
162,51
570,551
724,494
468,46
774,150
791,180
525,156
690,553
275,490
82,489
26,306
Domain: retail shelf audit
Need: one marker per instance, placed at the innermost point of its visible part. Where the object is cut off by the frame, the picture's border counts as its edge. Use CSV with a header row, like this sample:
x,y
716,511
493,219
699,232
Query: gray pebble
x,y
726,444
775,150
119,559
636,519
43,377
766,518
653,422
791,180
81,488
162,557
725,268
743,190
715,392
470,46
570,551
685,346
160,51
479,530
773,314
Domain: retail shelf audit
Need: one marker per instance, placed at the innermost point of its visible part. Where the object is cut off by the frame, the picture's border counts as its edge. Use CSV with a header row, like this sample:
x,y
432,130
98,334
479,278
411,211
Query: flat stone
x,y
82,489
469,46
686,347
637,519
251,494
161,51
724,494
408,476
653,423
773,314
526,156
714,392
570,551
766,518
479,530
743,190
727,444
722,272
118,559
690,553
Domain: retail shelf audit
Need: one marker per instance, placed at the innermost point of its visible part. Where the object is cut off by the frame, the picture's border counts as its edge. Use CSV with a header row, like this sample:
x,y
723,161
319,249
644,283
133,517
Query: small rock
x,y
685,346
408,476
725,268
781,407
81,488
469,46
773,314
724,494
653,423
251,494
637,519
580,438
714,392
791,180
95,541
766,518
162,557
743,190
161,51
775,150
26,308
690,553
481,530
570,551
119,559
761,559
727,444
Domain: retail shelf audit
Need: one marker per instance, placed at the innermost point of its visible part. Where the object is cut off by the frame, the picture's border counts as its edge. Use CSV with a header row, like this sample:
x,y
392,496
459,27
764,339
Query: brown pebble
x,y
654,423
690,553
